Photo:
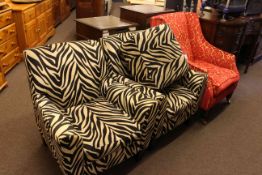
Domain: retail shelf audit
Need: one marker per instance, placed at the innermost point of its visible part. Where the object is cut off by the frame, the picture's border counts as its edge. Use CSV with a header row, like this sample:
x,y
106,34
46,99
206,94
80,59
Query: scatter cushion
x,y
153,57
111,46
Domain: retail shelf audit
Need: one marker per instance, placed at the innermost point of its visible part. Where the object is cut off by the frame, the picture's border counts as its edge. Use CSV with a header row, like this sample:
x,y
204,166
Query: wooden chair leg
x,y
43,141
203,117
188,121
150,146
138,156
228,98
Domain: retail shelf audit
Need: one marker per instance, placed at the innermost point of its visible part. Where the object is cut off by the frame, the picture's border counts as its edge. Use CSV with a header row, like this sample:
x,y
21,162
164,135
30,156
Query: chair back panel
x,y
178,23
67,73
196,38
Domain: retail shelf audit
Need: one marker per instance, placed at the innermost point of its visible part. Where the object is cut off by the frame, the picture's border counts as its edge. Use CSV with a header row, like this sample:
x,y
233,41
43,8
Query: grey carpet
x,y
230,144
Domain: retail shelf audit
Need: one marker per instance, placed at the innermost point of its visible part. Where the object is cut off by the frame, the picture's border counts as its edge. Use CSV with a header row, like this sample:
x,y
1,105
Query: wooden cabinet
x,y
41,26
3,82
61,10
35,22
9,50
5,18
31,34
251,40
90,8
238,35
224,34
50,20
64,9
141,14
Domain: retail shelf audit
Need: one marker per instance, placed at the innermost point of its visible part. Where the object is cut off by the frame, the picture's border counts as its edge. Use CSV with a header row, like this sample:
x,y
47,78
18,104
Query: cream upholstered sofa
x,y
91,115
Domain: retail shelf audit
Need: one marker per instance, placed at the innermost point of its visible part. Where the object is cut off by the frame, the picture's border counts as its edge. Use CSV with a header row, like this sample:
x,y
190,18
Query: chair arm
x,y
195,81
202,49
66,143
139,106
214,55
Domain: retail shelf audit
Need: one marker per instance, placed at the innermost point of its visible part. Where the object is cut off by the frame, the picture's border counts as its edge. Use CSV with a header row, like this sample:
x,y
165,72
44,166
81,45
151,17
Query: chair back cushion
x,y
196,37
68,73
111,45
153,57
178,23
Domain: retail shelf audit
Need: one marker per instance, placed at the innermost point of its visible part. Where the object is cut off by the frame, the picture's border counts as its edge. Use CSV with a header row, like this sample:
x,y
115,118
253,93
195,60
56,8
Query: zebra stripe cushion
x,y
153,57
111,46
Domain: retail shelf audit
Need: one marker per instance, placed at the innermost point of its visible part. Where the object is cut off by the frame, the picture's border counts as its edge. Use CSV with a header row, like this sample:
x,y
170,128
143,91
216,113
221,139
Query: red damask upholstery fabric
x,y
220,77
176,22
220,66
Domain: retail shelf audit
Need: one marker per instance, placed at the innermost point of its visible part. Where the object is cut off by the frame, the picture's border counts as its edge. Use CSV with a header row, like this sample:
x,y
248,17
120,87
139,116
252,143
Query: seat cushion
x,y
153,57
105,130
220,77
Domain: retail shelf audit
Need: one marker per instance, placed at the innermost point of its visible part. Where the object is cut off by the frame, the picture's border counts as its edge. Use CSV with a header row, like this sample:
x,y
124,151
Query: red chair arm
x,y
214,55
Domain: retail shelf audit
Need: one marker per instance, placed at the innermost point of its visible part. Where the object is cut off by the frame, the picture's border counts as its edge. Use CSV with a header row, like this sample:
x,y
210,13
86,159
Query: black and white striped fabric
x,y
154,58
111,47
89,121
62,72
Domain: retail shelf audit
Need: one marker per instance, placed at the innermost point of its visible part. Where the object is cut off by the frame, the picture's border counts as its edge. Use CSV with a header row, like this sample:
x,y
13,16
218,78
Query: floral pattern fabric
x,y
220,66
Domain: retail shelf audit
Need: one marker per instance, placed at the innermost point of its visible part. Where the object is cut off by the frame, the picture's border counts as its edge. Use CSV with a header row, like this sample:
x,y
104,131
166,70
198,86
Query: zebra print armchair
x,y
89,120
153,58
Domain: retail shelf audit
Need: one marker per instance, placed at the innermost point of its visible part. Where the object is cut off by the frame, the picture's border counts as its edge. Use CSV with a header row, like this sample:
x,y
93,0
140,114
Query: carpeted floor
x,y
230,144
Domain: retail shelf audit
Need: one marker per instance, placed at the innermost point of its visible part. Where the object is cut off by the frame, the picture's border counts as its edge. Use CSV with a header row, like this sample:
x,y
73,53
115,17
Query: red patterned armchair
x,y
220,66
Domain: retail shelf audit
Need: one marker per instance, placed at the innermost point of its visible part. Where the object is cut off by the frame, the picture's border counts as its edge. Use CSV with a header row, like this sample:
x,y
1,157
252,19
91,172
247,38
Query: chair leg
x,y
228,98
150,146
138,156
188,122
43,141
203,117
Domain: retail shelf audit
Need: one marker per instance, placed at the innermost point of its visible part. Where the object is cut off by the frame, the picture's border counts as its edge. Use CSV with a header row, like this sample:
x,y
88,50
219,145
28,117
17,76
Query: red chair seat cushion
x,y
220,77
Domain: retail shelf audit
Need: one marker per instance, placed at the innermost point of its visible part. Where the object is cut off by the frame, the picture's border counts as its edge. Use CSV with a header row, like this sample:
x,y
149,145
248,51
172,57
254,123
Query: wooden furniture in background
x,y
86,9
97,27
72,4
224,34
65,9
90,8
150,2
9,50
141,13
251,40
61,10
3,82
238,35
35,22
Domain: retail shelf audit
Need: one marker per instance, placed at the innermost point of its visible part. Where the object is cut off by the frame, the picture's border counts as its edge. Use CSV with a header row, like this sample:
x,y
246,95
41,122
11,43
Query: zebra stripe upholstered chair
x,y
153,58
89,121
